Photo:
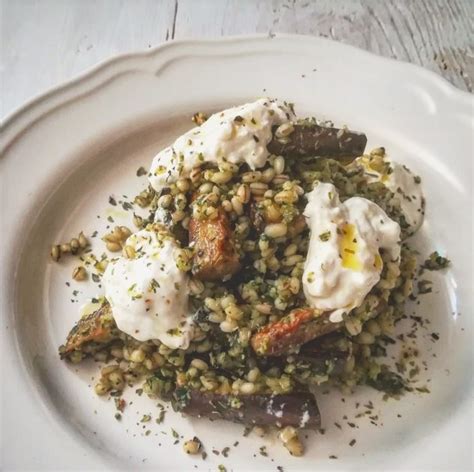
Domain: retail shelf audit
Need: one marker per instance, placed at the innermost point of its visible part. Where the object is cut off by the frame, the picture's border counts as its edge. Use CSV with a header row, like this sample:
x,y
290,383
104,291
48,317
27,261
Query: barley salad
x,y
275,258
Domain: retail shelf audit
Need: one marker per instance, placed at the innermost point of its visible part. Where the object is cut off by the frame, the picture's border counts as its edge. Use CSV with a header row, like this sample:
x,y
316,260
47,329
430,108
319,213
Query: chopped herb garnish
x,y
424,286
127,206
154,284
96,278
325,236
436,262
161,417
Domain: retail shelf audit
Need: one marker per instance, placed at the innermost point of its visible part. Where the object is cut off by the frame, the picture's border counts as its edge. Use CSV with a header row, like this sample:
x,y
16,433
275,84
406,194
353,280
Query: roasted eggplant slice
x,y
313,140
90,334
322,358
290,332
295,409
215,256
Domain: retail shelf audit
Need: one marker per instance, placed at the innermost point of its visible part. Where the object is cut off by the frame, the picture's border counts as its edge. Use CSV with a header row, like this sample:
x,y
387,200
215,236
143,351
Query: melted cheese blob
x,y
343,261
149,294
238,135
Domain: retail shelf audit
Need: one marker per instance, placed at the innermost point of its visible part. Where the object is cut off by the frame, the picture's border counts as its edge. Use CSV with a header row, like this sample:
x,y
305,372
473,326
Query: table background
x,y
45,42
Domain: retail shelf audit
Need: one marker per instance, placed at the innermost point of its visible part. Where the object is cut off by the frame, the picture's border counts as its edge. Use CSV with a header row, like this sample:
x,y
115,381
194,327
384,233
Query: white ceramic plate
x,y
67,151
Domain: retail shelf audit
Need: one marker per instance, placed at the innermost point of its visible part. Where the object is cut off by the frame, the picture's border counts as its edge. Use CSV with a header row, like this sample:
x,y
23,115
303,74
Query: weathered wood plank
x,y
45,43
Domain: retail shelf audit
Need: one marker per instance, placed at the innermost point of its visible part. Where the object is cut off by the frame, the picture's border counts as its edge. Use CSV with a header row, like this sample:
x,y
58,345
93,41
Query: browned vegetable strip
x,y
324,346
294,409
323,356
288,333
313,140
91,333
322,365
215,256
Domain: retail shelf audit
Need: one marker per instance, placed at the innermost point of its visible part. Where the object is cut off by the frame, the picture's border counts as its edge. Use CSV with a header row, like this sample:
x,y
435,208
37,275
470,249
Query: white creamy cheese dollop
x,y
237,135
343,261
149,294
406,188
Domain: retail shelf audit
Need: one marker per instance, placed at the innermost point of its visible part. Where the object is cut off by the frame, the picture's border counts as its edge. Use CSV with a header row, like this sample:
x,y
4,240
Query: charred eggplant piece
x,y
313,140
295,409
325,345
321,352
215,256
91,333
290,332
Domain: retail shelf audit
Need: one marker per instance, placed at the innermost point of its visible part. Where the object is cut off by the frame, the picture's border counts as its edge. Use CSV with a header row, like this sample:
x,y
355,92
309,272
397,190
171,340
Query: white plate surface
x,y
63,155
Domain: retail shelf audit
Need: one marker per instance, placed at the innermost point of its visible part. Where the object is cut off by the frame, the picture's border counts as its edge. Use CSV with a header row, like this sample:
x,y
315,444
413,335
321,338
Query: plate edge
x,y
10,121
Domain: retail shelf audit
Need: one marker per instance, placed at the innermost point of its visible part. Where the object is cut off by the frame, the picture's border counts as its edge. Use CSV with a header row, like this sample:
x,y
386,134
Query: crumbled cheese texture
x,y
237,135
343,261
408,191
149,294
304,419
406,187
271,410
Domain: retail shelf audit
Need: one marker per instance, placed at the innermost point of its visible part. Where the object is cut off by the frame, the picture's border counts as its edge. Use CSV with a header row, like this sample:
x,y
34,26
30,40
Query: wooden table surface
x,y
45,42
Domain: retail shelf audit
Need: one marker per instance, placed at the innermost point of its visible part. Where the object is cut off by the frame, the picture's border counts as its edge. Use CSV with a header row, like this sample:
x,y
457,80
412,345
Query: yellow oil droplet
x,y
348,248
367,164
378,263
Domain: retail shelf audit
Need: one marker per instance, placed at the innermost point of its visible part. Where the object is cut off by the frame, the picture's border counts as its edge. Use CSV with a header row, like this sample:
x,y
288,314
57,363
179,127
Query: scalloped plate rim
x,y
10,121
